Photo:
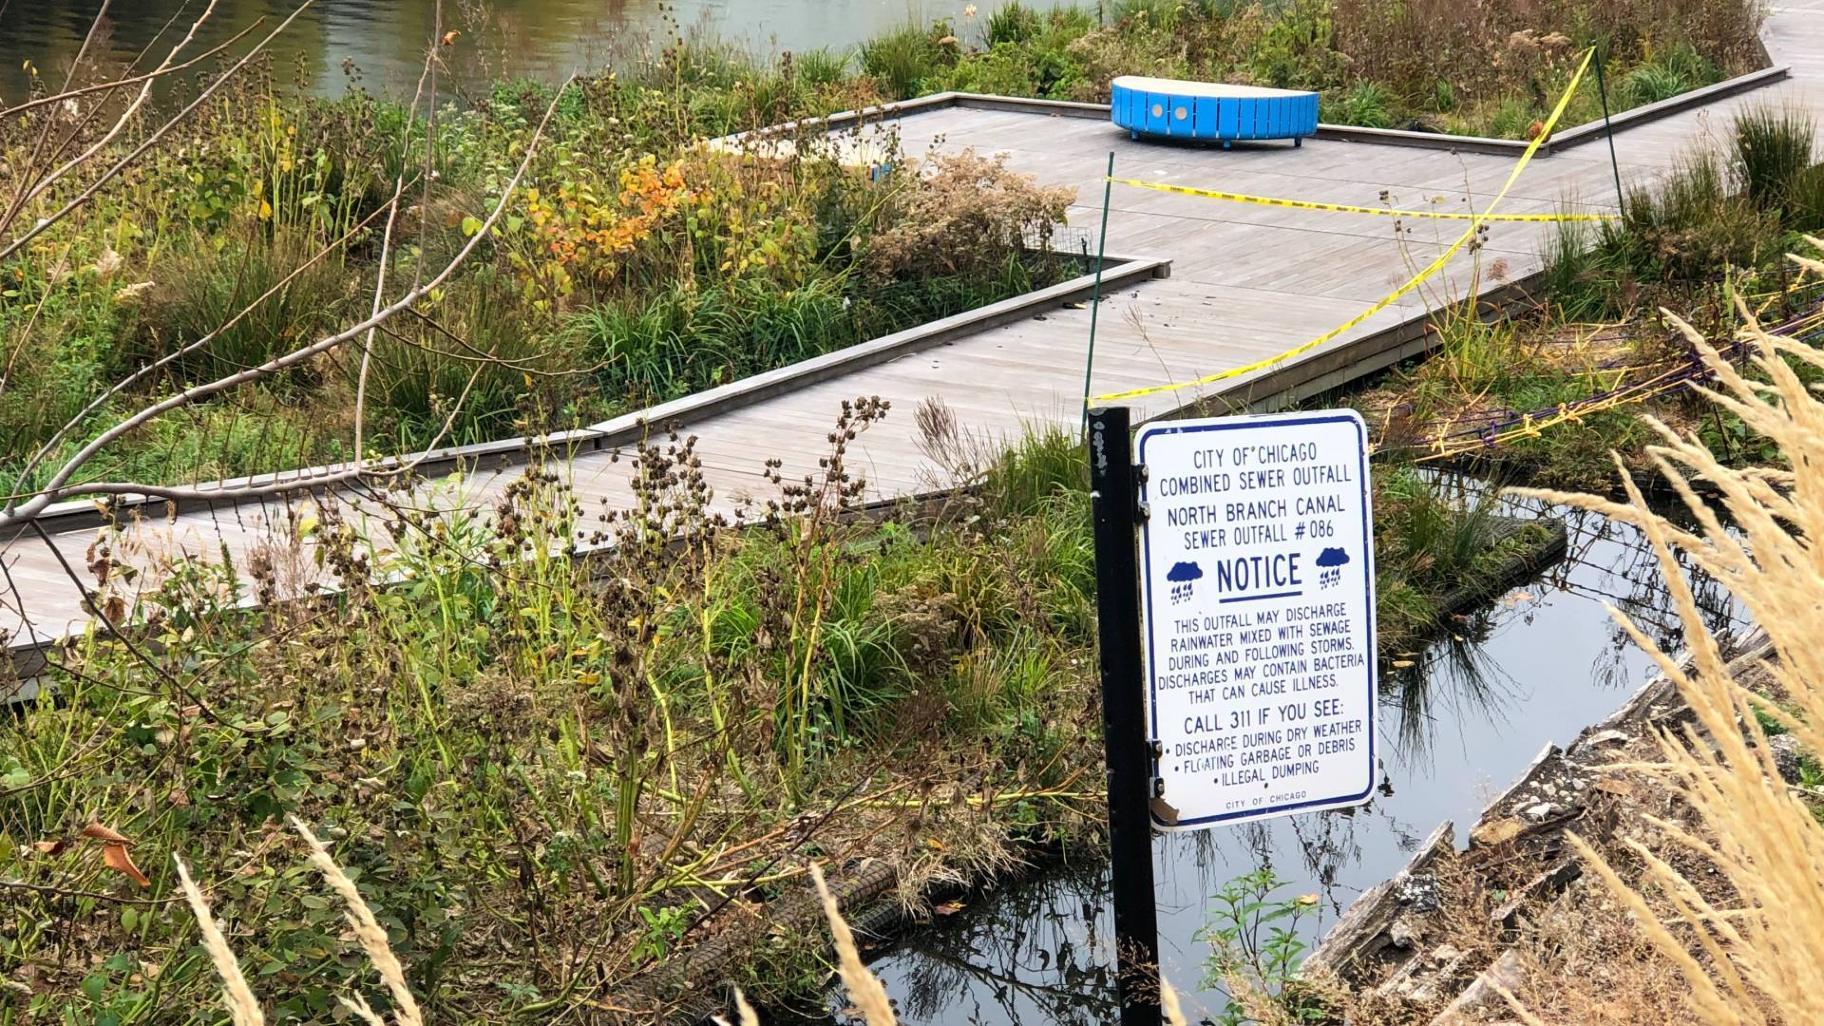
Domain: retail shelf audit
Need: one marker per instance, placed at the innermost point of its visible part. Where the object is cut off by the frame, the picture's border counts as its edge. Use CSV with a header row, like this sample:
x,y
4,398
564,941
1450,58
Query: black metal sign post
x,y
1114,500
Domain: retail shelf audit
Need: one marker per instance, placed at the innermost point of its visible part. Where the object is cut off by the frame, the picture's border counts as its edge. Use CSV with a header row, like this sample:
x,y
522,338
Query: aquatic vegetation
x,y
1435,545
906,59
263,224
561,744
623,208
1255,951
1482,70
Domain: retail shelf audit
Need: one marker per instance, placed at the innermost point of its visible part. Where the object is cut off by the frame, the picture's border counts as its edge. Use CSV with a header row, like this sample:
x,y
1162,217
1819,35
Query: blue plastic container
x,y
1167,108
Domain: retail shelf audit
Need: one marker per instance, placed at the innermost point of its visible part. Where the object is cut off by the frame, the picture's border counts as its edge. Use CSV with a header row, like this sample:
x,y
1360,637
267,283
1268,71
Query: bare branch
x,y
59,485
386,247
44,134
50,445
162,71
28,194
152,139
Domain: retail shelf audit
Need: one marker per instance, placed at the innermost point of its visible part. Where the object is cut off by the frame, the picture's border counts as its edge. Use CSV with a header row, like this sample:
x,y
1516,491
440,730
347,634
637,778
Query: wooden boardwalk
x,y
1246,282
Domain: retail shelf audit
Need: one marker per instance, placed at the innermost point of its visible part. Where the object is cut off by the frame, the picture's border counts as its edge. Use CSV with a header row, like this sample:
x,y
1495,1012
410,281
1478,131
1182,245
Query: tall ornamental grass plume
x,y
864,987
1753,958
244,1008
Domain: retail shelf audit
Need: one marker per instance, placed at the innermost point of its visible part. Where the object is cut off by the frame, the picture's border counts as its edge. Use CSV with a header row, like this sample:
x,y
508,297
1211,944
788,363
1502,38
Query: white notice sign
x,y
1257,575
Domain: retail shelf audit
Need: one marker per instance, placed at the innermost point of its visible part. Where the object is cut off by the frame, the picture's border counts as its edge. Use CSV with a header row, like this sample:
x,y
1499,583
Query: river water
x,y
1456,728
384,40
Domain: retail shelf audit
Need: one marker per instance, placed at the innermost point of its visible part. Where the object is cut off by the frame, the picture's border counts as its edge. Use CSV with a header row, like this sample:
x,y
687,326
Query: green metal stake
x,y
1095,303
1602,87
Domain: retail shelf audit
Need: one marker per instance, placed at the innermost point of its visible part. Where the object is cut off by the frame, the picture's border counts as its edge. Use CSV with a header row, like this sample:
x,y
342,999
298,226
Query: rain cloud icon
x,y
1182,575
1331,561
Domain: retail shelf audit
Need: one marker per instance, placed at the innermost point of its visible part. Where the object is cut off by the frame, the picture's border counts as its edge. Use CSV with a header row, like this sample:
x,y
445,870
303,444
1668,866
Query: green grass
x,y
1774,151
1012,23
683,340
1663,75
1367,104
821,66
1713,215
902,60
203,284
1716,228
1430,544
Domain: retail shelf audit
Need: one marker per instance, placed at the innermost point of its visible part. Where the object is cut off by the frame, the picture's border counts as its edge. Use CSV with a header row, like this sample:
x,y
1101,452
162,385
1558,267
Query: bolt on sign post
x,y
1235,589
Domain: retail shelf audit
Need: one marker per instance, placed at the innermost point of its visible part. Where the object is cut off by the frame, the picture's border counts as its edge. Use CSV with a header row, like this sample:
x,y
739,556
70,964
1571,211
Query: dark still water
x,y
385,39
1456,728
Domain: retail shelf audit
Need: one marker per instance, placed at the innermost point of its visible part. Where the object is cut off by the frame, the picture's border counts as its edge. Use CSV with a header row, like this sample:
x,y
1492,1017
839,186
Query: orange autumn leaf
x,y
117,859
114,851
104,833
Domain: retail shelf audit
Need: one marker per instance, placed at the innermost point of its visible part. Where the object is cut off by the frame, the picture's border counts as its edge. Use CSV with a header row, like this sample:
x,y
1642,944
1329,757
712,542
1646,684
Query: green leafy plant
x,y
1255,949
664,927
1367,104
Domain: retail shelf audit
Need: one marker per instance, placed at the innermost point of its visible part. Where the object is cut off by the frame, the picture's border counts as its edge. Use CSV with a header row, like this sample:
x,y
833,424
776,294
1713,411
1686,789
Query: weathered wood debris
x,y
1403,945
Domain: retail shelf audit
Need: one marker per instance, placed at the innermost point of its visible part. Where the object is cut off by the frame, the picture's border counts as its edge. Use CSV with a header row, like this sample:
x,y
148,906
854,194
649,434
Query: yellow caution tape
x,y
1392,297
1652,388
1530,427
1345,208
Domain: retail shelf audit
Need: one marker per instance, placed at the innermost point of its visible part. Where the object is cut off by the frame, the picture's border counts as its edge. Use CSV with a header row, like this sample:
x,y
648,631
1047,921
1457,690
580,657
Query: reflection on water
x,y
1044,953
1455,728
386,39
